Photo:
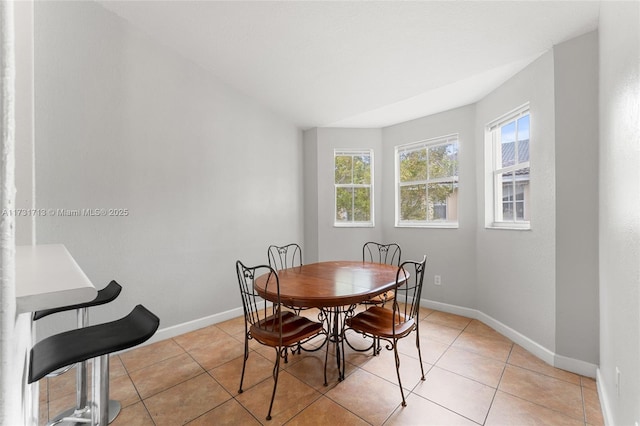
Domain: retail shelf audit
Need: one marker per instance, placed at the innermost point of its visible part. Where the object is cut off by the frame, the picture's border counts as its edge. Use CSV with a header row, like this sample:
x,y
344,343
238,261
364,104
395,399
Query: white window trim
x,y
413,146
354,224
491,141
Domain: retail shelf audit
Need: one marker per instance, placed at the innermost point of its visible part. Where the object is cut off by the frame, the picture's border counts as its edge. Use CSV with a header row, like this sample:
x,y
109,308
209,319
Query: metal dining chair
x,y
389,254
268,324
284,257
381,253
394,324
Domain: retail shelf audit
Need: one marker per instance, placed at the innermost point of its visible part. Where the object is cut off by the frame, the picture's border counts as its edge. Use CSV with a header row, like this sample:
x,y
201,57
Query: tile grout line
x,y
449,346
504,369
584,406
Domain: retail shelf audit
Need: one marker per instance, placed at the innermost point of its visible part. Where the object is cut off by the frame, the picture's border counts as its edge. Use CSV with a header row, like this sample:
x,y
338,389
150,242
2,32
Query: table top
x,y
329,284
48,277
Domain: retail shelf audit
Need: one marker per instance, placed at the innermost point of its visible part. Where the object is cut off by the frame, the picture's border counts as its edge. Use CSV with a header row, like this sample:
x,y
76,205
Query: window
x,y
427,183
508,141
353,187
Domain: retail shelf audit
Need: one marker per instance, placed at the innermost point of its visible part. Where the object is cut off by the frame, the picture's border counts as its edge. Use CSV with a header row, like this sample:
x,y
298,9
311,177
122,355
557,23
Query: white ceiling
x,y
361,63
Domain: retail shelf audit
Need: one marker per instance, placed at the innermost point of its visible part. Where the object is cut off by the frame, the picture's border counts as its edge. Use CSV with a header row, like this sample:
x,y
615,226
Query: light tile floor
x,y
474,376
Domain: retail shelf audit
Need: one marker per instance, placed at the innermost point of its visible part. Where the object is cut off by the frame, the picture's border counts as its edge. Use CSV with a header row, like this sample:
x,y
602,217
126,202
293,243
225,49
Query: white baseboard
x,y
575,366
603,395
185,327
452,309
570,364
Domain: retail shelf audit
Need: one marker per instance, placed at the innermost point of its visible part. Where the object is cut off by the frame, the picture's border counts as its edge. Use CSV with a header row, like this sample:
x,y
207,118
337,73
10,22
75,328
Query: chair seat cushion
x,y
294,329
379,321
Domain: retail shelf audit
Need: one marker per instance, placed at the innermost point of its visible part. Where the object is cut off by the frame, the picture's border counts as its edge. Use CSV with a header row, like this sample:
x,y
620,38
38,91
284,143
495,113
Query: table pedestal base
x,y
334,320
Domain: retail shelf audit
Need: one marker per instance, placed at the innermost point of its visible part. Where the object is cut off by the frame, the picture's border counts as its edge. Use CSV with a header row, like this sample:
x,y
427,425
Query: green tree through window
x,y
353,189
427,181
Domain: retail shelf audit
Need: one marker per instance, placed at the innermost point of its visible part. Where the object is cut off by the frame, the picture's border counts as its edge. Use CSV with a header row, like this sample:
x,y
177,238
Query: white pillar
x,y
11,376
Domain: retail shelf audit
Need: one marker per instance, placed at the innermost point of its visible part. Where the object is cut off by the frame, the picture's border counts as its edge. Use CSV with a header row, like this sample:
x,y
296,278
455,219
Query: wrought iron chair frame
x,y
390,254
266,322
385,253
284,257
404,317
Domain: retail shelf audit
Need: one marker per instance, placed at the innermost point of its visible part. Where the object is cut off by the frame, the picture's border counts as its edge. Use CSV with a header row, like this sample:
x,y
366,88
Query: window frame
x,y
493,188
354,224
426,144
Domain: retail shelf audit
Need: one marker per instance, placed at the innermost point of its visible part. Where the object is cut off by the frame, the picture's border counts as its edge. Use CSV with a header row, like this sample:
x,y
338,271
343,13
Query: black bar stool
x,y
106,295
97,342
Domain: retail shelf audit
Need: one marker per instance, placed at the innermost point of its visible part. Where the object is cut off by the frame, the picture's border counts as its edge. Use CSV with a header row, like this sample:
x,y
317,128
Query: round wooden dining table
x,y
330,284
335,287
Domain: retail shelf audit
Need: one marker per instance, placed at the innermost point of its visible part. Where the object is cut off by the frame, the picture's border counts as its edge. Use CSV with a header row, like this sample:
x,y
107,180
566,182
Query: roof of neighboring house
x,y
509,152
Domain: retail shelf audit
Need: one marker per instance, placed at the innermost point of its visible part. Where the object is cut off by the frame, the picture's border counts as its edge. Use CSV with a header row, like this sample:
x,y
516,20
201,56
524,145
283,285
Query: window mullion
x,y
514,216
513,168
446,179
517,144
353,190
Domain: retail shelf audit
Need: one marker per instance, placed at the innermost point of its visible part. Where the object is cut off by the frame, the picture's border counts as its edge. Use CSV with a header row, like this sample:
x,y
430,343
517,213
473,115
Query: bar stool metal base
x,y
68,418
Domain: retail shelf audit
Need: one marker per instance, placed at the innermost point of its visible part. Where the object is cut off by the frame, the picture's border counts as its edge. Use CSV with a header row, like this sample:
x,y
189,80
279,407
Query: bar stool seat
x,y
106,295
97,342
109,293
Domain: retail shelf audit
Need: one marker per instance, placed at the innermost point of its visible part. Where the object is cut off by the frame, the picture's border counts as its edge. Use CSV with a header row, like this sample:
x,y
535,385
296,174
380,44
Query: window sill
x,y
510,226
353,225
441,225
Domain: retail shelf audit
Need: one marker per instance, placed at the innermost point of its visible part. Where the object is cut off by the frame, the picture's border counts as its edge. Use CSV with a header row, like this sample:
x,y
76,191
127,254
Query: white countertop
x,y
48,277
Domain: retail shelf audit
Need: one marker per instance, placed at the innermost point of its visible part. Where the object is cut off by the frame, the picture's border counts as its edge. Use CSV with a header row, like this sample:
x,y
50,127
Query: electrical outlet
x,y
437,280
618,377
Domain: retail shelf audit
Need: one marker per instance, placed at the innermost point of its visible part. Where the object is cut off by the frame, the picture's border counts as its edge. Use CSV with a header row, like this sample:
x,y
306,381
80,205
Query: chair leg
x,y
395,352
419,353
244,361
293,351
100,411
276,373
82,412
326,359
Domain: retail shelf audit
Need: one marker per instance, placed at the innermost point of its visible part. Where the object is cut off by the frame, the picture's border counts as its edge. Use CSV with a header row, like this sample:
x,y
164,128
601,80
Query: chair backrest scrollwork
x,y
382,253
284,257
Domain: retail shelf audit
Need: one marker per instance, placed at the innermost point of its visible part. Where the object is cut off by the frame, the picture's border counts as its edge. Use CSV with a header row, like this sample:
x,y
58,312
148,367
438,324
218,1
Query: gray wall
x,y
620,210
311,188
576,97
208,176
450,252
338,242
516,269
541,284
